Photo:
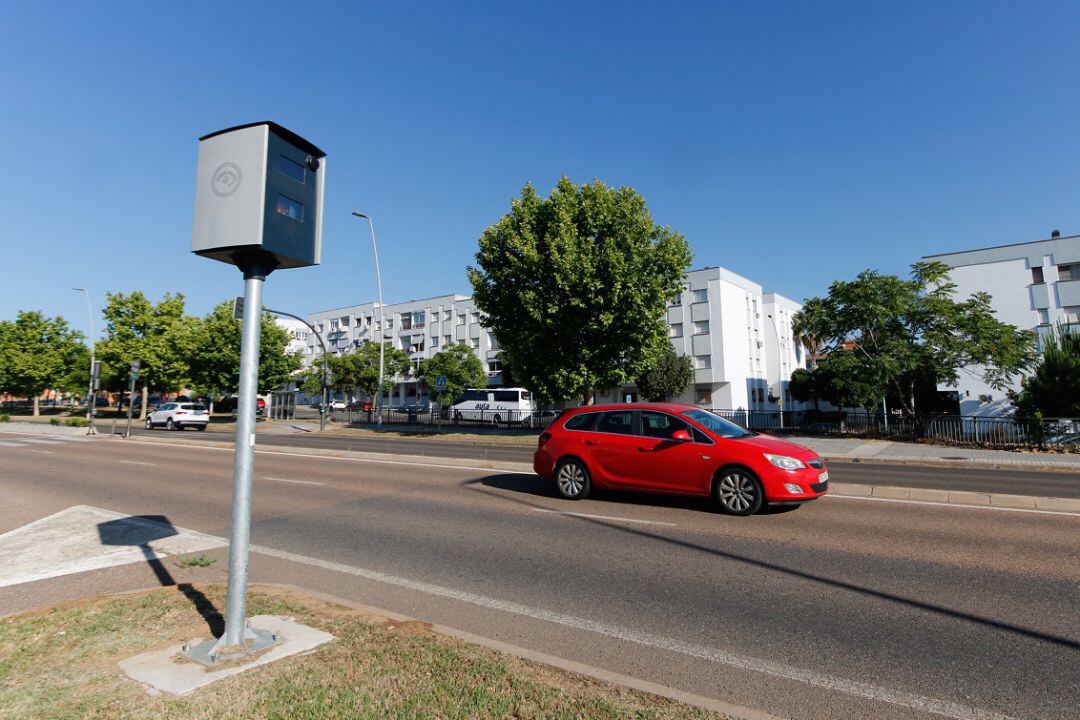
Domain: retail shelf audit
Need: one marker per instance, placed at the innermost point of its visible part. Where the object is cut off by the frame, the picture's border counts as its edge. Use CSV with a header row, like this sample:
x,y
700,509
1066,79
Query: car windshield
x,y
717,425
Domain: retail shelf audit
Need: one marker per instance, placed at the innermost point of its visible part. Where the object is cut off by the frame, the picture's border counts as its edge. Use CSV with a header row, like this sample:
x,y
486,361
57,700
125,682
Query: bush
x,y
54,421
76,422
5,418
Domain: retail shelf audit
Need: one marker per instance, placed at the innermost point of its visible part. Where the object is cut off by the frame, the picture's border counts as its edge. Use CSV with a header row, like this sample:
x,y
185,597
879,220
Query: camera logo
x,y
226,179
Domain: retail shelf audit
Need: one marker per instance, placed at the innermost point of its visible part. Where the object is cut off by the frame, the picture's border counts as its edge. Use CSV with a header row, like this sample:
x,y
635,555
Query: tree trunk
x,y
211,409
145,396
589,397
37,408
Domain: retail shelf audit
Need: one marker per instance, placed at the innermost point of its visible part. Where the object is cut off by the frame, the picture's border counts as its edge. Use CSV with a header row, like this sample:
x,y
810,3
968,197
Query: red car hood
x,y
776,446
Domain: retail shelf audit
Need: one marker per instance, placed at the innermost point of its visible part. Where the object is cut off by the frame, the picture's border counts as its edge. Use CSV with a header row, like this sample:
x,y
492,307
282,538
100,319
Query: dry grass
x,y
62,663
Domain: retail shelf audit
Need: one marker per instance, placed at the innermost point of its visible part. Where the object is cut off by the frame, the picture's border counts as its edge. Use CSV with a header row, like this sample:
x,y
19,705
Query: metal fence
x,y
968,430
510,419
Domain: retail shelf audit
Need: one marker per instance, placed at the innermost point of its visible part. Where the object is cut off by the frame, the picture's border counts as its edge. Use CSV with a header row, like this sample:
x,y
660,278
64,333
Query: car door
x,y
160,415
670,465
615,449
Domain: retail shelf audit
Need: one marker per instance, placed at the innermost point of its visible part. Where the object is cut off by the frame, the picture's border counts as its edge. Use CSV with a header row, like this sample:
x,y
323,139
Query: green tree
x,y
461,368
158,335
359,370
575,286
1053,389
215,358
882,334
669,376
39,353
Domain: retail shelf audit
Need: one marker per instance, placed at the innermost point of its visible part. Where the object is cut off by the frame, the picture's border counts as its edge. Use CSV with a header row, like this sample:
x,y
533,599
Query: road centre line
x,y
4,443
137,462
959,506
856,688
39,441
294,482
603,517
42,452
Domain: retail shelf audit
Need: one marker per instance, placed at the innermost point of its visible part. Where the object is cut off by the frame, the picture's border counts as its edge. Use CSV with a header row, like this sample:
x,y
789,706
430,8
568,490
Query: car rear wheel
x,y
572,479
738,492
170,425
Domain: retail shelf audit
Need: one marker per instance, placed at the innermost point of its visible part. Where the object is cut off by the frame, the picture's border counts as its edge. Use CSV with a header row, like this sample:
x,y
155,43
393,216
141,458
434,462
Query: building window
x,y
701,296
703,396
417,344
419,319
447,314
1037,276
461,319
702,362
675,330
446,340
475,342
701,328
494,367
1069,272
390,323
334,326
1044,317
406,321
434,341
677,300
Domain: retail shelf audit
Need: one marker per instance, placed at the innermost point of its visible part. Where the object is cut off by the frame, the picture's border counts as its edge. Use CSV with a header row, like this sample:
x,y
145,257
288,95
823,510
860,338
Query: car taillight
x,y
180,412
544,437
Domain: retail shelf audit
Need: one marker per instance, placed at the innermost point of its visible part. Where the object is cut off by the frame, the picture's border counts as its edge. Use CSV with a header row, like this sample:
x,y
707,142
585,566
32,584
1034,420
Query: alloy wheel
x,y
571,479
737,492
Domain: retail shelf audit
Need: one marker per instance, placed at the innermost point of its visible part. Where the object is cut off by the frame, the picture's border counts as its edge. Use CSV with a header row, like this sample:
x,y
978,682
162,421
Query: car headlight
x,y
784,462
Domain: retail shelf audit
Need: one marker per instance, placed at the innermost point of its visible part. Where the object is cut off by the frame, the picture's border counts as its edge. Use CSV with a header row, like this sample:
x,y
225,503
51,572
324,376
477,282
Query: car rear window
x,y
619,422
584,421
192,407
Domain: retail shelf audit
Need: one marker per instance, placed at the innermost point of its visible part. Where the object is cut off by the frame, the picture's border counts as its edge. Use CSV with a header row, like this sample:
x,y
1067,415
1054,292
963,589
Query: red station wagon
x,y
679,449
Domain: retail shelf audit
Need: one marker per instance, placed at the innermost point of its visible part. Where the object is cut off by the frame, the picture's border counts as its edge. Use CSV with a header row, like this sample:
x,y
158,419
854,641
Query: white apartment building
x,y
739,339
1032,285
298,336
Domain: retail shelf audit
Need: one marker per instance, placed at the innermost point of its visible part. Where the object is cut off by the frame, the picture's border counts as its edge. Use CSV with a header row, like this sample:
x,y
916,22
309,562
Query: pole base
x,y
213,652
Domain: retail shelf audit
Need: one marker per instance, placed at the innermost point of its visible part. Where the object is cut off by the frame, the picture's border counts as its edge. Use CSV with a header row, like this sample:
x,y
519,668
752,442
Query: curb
x,y
957,497
965,463
33,428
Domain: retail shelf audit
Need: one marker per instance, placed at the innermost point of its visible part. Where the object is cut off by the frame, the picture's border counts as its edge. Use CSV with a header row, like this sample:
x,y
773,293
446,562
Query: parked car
x,y
360,406
177,416
677,449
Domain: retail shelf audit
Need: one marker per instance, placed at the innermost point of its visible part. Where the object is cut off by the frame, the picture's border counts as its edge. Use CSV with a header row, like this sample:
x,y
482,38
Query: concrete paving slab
x,y
1068,504
895,493
929,495
1013,501
969,498
167,671
83,538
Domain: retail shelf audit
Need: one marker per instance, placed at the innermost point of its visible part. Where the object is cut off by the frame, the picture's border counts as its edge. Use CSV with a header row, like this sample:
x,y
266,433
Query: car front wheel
x,y
572,479
170,425
738,492
149,424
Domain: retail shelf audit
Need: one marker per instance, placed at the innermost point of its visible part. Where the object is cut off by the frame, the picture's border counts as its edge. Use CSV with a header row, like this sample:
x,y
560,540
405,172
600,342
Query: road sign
x,y
440,382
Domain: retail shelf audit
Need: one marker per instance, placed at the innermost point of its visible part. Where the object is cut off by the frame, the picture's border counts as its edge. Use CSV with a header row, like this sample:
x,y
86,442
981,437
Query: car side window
x,y
620,422
583,421
661,425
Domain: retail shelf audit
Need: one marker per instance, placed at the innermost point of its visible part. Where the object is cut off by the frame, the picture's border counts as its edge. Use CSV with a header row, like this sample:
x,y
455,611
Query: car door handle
x,y
591,442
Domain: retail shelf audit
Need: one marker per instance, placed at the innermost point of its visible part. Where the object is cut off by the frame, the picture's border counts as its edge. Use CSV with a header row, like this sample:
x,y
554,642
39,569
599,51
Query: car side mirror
x,y
681,436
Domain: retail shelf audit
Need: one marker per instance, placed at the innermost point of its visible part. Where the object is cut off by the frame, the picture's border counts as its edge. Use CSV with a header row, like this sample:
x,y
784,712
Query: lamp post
x,y
382,317
779,369
325,367
90,399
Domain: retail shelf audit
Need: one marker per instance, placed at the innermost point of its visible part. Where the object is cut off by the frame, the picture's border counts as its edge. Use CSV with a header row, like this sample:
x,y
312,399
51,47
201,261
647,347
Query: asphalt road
x,y
988,480
839,609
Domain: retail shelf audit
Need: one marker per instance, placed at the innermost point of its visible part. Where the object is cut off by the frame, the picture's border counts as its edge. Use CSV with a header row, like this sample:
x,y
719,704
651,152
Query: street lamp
x,y
93,361
382,316
779,369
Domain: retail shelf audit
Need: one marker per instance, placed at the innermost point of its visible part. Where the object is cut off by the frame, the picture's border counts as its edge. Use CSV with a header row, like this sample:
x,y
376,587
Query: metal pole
x,y
236,599
131,403
93,358
779,370
325,368
382,319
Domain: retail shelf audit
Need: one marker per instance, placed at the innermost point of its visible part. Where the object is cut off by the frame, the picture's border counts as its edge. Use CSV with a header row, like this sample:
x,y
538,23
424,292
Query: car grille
x,y
817,463
820,487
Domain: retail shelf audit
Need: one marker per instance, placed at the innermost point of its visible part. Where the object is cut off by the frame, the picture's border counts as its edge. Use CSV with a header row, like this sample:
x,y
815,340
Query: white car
x,y
179,415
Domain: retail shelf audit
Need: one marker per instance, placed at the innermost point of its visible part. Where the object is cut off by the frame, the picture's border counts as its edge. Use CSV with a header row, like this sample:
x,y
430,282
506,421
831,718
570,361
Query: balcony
x,y
1068,293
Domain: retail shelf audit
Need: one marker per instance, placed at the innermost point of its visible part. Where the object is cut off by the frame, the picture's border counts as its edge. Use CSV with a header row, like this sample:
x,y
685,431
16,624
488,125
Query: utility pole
x,y
382,319
325,366
131,394
94,367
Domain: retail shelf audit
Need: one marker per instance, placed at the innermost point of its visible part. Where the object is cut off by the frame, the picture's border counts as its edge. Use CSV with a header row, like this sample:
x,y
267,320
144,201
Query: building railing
x,y
510,419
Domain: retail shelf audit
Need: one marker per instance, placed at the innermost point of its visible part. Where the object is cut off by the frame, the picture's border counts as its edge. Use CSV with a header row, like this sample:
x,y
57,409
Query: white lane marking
x,y
38,441
363,460
603,517
959,506
742,662
68,438
137,462
11,444
42,452
294,482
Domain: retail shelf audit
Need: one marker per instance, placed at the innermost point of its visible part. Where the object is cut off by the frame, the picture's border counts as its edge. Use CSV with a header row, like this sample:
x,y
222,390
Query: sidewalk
x,y
858,450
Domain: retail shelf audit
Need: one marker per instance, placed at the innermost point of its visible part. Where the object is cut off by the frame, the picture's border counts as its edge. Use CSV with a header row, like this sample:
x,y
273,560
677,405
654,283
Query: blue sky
x,y
794,143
